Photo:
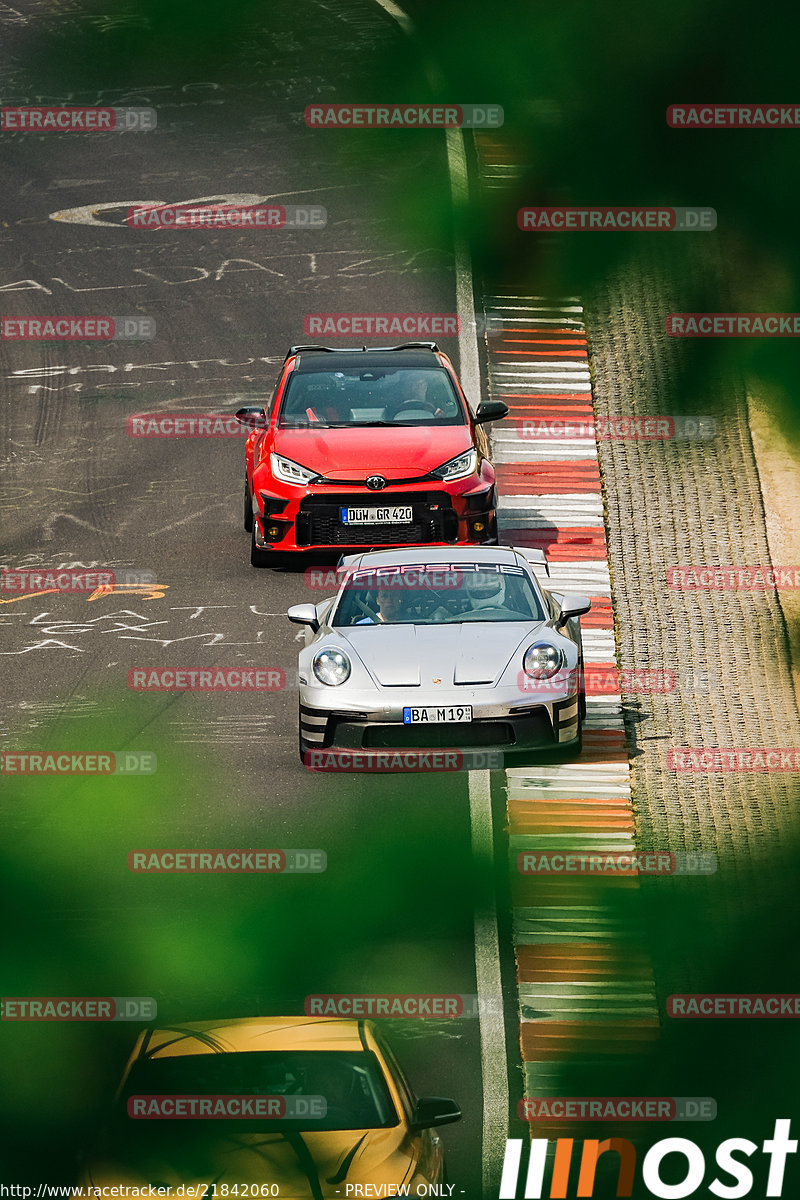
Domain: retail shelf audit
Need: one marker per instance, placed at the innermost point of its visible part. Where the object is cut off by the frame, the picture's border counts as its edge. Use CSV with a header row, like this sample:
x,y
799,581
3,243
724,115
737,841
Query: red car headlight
x,y
457,468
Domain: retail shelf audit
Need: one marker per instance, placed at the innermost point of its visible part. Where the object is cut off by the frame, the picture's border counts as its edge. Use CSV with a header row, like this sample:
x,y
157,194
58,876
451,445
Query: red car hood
x,y
396,453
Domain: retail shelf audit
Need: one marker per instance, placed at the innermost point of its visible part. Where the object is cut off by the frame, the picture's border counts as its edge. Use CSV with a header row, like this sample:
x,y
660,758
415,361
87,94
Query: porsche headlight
x,y
457,468
290,472
542,660
331,667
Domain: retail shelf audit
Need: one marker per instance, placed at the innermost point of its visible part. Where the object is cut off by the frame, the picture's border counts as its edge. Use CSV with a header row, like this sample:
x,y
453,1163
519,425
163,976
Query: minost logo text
x,y
686,1176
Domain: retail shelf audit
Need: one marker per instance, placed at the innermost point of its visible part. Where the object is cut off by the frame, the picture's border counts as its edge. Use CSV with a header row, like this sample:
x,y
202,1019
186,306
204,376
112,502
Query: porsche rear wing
x,y
534,557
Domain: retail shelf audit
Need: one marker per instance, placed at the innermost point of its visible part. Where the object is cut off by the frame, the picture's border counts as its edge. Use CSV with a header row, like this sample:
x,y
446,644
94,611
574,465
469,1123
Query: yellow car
x,y
333,1109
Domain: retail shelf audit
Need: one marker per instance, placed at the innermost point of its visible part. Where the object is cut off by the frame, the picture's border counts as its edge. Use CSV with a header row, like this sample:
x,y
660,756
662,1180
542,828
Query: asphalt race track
x,y
416,888
393,911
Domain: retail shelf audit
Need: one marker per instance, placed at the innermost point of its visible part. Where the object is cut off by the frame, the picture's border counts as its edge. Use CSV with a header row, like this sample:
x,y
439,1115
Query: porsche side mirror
x,y
573,604
304,614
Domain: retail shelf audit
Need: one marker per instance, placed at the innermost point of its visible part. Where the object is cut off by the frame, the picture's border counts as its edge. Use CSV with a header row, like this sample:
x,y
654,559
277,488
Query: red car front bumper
x,y
460,512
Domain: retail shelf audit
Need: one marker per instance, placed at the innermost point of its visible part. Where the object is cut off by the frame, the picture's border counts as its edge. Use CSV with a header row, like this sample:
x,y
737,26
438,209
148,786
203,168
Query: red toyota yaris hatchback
x,y
372,447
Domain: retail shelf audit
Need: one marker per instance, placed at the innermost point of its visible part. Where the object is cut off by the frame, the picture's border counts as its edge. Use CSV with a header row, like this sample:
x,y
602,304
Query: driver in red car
x,y
414,394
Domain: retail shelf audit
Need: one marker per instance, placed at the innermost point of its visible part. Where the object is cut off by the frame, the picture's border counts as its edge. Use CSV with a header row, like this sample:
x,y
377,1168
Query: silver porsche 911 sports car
x,y
444,646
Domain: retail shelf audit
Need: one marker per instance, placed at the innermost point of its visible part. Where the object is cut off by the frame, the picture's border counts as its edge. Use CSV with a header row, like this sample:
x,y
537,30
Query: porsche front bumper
x,y
502,720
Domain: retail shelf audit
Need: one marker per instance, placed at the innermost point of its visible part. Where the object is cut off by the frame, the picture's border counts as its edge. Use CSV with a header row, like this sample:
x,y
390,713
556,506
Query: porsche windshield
x,y
437,595
364,396
351,1084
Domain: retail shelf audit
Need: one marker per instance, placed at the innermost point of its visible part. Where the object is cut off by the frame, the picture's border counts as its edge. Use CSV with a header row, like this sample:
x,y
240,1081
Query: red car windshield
x,y
367,396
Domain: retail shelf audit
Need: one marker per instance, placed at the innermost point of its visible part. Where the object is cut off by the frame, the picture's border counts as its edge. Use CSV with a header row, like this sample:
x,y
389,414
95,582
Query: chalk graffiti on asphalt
x,y
47,632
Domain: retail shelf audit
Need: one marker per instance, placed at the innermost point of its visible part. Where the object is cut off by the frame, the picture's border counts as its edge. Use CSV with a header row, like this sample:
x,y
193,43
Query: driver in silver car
x,y
390,604
485,589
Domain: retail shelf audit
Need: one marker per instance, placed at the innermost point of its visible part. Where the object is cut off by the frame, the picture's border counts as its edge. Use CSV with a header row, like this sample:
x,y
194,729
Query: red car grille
x,y
319,521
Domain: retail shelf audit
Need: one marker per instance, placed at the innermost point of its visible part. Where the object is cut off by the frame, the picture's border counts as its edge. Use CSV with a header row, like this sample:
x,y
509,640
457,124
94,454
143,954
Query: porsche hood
x,y
469,653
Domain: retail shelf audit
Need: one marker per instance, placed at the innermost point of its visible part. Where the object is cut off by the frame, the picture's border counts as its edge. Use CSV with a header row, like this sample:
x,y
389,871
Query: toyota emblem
x,y
376,482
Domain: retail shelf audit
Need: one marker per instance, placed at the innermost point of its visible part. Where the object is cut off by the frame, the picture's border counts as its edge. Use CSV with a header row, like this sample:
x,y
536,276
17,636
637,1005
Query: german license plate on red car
x,y
398,514
436,716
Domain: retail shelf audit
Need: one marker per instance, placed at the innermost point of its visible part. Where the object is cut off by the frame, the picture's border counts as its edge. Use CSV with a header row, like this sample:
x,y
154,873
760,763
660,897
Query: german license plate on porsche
x,y
437,716
397,514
